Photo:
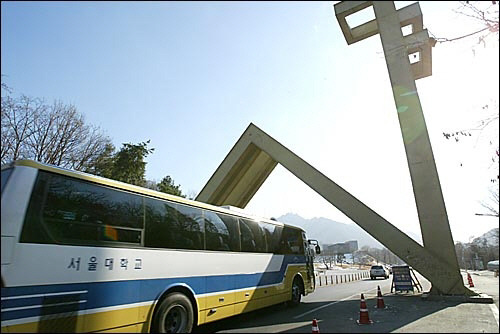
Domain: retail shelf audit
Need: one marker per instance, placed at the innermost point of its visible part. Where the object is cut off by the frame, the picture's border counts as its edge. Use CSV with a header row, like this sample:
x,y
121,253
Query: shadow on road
x,y
340,317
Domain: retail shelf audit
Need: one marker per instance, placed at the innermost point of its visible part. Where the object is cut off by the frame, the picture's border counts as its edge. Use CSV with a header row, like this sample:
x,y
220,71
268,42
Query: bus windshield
x,y
5,176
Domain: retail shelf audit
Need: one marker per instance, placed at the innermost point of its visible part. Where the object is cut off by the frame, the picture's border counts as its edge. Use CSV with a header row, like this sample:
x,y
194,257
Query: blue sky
x,y
191,76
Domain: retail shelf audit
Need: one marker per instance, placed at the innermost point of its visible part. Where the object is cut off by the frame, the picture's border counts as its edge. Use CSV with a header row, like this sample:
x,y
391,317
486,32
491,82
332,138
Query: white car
x,y
378,271
492,265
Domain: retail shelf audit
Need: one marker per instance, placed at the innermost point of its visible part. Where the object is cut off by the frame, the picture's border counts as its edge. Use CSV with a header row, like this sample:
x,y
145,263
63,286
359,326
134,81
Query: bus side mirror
x,y
316,245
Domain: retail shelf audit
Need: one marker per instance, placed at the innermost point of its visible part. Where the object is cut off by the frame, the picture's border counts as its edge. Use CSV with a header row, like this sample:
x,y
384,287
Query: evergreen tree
x,y
129,165
103,165
168,186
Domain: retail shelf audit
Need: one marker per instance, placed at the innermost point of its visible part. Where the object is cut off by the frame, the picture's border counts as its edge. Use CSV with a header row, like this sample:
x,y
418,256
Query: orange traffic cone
x,y
380,300
363,313
315,328
471,284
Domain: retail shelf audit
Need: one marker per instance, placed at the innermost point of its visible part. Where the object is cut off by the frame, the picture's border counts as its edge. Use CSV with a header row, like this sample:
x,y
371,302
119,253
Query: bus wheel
x,y
296,292
174,315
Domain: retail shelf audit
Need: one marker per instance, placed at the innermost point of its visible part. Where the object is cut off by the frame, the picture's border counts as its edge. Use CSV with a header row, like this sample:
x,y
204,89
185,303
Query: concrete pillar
x,y
436,233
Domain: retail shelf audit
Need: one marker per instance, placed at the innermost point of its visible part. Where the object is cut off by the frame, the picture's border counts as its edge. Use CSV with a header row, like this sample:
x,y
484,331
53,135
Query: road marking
x,y
494,309
332,303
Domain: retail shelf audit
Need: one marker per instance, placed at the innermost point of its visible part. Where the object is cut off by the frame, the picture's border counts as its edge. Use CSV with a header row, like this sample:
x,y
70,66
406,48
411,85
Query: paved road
x,y
484,281
337,308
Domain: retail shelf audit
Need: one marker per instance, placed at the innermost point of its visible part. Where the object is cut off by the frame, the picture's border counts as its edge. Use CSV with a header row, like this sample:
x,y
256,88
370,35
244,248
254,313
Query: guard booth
x,y
402,279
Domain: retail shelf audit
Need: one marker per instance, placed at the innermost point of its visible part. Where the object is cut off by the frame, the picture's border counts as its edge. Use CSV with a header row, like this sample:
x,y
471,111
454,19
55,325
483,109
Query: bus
x,y
82,253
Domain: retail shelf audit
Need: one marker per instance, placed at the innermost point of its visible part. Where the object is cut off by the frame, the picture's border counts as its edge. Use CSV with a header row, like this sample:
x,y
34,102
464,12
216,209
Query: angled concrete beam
x,y
239,177
255,155
259,142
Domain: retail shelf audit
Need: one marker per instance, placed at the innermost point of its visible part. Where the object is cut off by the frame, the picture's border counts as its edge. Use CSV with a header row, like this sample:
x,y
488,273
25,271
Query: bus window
x,y
172,225
247,238
252,237
272,234
291,241
234,231
219,236
75,211
159,224
33,231
190,220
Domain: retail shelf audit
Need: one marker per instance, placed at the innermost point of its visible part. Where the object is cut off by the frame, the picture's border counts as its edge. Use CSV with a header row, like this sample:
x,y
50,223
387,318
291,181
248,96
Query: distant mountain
x,y
328,231
490,238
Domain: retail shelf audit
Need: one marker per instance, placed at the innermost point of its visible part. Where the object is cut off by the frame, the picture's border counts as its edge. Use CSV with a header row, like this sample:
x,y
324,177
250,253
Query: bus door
x,y
310,253
309,261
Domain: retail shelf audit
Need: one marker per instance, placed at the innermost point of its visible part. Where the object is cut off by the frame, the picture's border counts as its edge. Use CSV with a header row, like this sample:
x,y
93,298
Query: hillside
x,y
489,238
328,231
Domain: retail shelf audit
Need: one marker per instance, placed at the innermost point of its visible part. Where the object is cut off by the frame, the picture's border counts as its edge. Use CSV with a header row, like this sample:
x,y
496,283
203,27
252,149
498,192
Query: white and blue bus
x,y
81,253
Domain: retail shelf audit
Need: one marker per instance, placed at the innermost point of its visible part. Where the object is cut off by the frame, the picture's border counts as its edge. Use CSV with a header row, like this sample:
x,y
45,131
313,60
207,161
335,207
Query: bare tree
x,y
483,12
54,134
328,261
327,257
17,125
486,15
492,204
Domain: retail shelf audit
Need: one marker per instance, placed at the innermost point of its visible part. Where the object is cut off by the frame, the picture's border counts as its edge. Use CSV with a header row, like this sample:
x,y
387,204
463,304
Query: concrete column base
x,y
481,298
